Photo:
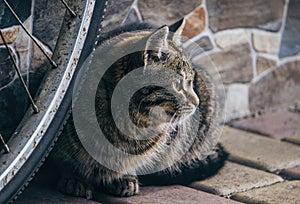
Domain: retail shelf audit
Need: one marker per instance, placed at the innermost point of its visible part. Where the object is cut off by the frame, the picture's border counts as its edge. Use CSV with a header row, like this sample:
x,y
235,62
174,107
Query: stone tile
x,y
291,35
259,152
237,101
279,88
225,39
195,23
233,64
199,46
263,64
166,12
233,178
236,14
266,42
287,192
293,139
293,173
166,195
276,125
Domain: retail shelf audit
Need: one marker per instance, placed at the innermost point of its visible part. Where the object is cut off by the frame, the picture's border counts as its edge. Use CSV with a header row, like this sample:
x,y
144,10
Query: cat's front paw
x,y
125,186
74,187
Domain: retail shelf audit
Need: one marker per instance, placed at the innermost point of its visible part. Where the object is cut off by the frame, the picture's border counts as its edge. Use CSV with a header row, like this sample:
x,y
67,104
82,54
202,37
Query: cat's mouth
x,y
182,114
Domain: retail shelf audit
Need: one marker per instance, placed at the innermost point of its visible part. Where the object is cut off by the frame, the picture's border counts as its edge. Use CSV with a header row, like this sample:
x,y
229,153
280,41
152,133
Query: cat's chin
x,y
187,115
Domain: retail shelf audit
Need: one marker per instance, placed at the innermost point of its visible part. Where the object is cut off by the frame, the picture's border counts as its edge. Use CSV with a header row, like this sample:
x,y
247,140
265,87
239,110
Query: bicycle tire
x,y
16,179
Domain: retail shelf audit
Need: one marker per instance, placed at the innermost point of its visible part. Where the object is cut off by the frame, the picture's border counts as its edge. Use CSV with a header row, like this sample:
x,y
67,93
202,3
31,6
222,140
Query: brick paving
x,y
260,152
235,178
293,139
275,125
165,195
282,193
292,173
260,170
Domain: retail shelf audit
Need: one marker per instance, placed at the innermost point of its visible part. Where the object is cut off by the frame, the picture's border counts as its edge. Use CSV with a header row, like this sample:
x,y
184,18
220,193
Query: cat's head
x,y
164,58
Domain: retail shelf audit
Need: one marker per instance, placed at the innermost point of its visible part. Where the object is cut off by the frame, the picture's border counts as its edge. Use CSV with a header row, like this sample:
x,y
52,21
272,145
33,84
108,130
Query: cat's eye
x,y
178,84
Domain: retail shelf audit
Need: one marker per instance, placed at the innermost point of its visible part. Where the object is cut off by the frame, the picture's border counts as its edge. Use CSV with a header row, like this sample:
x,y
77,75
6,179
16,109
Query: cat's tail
x,y
191,171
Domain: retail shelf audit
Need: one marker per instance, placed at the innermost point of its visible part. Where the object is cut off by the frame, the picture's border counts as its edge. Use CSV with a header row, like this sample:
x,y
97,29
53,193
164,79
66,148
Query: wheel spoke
x,y
68,8
29,34
6,148
35,108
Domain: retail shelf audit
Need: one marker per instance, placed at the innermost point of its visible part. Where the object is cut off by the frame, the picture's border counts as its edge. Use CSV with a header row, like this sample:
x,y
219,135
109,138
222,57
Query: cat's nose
x,y
193,98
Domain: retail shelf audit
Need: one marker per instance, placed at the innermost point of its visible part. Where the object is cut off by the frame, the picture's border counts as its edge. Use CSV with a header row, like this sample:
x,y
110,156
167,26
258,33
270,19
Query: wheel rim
x,y
33,126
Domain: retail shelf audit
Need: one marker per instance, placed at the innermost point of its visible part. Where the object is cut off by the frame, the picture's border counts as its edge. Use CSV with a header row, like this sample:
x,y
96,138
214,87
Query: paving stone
x,y
228,14
290,44
41,195
266,42
293,139
276,125
166,12
167,195
195,23
225,39
233,178
277,89
42,189
292,173
259,152
287,192
264,64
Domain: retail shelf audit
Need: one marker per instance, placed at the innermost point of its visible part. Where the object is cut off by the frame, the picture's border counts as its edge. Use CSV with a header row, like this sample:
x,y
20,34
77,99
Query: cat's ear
x,y
156,44
177,29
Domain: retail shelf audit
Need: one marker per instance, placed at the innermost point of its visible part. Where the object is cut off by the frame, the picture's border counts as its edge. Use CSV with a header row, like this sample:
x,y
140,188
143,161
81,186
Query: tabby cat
x,y
190,89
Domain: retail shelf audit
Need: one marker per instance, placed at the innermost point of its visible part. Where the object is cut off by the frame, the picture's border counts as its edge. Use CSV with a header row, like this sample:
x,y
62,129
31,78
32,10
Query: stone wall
x,y
254,45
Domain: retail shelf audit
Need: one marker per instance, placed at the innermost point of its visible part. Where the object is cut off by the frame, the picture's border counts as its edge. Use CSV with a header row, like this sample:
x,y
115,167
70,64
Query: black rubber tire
x,y
21,180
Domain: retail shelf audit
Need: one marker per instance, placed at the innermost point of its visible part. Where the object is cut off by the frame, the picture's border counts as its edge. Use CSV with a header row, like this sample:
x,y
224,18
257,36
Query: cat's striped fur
x,y
191,90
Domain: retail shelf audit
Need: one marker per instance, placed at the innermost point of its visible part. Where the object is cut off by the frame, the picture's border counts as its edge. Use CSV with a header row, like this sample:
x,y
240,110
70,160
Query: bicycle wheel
x,y
36,134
